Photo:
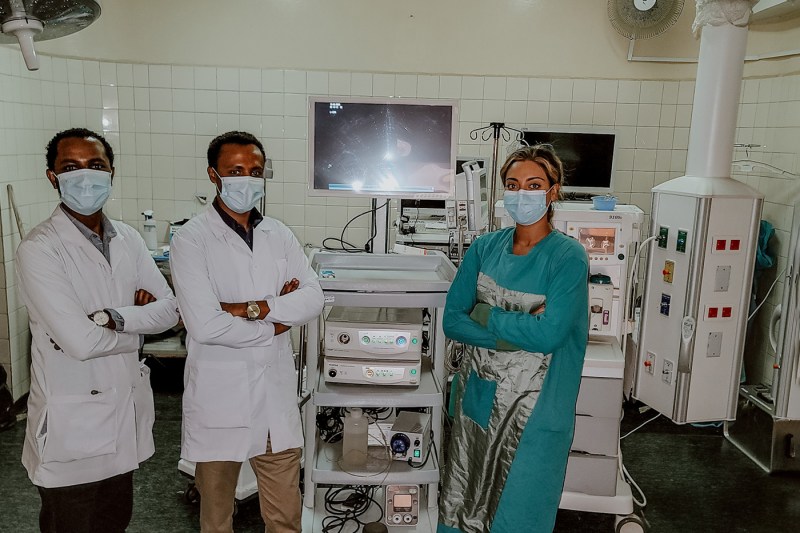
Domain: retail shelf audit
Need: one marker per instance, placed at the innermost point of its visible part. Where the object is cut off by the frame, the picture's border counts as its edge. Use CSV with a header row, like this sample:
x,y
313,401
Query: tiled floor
x,y
694,479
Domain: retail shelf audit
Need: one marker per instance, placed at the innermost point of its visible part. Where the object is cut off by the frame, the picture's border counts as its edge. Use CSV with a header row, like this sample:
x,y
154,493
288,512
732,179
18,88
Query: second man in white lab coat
x,y
242,281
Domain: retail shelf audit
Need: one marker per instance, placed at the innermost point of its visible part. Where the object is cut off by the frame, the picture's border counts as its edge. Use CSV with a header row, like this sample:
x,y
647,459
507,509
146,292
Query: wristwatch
x,y
253,310
101,318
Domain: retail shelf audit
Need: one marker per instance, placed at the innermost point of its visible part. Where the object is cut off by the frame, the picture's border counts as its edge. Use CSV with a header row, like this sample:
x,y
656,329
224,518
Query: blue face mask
x,y
85,190
526,207
241,193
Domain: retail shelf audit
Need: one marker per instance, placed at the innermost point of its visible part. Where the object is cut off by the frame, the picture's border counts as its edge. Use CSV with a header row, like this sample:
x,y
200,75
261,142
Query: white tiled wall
x,y
29,108
160,118
769,116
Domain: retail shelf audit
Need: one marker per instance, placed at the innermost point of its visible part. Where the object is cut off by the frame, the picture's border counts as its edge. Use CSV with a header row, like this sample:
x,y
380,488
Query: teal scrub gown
x,y
518,383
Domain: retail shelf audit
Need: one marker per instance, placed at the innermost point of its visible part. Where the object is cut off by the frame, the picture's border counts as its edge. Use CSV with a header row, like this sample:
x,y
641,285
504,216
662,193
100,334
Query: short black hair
x,y
242,138
75,133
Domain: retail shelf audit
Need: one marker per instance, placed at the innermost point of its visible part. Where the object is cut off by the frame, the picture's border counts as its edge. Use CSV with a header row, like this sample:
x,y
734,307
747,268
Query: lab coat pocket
x,y
145,413
81,426
218,394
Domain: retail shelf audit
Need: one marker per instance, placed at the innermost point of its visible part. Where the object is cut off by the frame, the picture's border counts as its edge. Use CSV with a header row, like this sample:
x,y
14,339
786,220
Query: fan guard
x,y
643,19
25,21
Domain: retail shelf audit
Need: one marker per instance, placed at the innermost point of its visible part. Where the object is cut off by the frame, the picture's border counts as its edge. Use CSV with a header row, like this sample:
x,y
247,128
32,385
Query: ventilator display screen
x,y
598,240
588,157
382,147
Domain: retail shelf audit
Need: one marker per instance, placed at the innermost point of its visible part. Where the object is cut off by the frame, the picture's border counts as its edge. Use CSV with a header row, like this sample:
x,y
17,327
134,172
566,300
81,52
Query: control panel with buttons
x,y
368,373
373,335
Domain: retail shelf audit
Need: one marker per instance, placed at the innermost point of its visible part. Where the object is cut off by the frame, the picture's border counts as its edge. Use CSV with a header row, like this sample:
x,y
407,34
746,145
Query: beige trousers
x,y
278,477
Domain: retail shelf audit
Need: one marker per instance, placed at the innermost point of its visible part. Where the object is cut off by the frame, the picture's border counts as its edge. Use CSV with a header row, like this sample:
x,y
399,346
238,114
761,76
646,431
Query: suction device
x,y
26,21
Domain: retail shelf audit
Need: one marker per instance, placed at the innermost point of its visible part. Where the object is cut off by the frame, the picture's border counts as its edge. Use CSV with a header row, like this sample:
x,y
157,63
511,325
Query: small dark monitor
x,y
588,157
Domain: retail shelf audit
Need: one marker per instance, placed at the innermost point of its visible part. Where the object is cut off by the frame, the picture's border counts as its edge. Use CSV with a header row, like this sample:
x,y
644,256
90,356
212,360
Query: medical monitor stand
x,y
379,226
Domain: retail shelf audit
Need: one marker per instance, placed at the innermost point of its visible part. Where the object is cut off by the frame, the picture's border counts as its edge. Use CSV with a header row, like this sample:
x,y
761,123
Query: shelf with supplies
x,y
427,394
377,281
380,468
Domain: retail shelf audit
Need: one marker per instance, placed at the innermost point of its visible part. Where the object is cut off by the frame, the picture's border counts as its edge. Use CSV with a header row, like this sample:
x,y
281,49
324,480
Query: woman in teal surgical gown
x,y
519,303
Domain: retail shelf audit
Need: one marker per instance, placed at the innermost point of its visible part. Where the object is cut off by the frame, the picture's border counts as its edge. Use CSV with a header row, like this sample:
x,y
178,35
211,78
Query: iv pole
x,y
495,130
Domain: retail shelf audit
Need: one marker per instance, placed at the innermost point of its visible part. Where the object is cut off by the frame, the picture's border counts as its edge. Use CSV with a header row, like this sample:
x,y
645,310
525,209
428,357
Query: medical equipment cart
x,y
377,280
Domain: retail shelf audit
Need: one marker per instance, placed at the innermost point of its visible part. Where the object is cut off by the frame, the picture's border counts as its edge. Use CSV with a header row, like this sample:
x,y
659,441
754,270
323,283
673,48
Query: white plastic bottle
x,y
149,233
354,446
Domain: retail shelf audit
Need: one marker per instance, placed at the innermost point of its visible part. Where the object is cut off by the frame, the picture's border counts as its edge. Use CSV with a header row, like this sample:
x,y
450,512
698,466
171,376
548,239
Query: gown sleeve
x,y
567,298
461,300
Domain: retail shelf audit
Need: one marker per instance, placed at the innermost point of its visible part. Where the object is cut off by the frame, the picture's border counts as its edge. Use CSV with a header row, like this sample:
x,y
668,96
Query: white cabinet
x,y
594,454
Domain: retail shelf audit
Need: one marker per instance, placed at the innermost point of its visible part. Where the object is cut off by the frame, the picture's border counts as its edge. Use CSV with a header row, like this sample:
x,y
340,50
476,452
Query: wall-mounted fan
x,y
643,19
25,21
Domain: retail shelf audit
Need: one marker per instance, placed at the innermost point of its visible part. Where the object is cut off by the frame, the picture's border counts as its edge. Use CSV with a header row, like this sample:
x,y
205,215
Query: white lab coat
x,y
240,381
90,410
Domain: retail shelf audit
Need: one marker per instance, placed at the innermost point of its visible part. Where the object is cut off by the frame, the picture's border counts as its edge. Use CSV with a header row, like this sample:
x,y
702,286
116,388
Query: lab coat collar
x,y
69,233
221,229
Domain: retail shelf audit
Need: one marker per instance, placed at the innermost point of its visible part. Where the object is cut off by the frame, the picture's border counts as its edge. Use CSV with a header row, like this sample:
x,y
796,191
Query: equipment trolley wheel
x,y
631,523
191,494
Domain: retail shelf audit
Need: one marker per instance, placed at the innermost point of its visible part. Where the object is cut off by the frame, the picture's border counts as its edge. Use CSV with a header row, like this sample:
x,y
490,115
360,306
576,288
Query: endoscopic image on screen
x,y
382,149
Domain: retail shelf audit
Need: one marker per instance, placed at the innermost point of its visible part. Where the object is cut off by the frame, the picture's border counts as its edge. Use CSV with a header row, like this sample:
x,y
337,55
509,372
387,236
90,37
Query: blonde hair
x,y
544,156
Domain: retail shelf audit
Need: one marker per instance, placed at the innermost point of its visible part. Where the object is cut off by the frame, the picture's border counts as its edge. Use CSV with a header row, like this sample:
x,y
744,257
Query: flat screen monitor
x,y
588,157
382,147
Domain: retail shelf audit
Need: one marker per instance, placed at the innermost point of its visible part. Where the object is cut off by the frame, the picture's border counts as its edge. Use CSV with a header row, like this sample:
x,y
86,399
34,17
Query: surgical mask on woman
x,y
526,207
241,193
85,190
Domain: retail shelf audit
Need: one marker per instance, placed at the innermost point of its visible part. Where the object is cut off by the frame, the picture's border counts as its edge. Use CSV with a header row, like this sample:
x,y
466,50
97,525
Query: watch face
x,y
253,310
100,318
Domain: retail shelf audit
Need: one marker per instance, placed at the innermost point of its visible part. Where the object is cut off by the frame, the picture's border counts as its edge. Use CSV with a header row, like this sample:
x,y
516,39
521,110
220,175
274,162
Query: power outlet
x,y
666,372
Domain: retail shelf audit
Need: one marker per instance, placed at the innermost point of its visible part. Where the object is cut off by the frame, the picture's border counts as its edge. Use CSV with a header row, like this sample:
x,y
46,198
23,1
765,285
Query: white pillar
x,y
716,101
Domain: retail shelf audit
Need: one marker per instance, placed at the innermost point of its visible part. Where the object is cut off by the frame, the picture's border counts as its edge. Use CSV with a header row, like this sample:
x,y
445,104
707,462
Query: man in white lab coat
x,y
242,281
91,289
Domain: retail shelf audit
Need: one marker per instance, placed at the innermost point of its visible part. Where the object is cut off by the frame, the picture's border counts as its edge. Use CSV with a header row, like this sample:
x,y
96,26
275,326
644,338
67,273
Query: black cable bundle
x,y
373,414
345,246
329,424
346,505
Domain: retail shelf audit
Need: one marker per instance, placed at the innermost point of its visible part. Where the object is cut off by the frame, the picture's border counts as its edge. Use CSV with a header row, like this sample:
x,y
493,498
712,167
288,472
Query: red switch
x,y
734,244
720,244
712,312
648,363
726,312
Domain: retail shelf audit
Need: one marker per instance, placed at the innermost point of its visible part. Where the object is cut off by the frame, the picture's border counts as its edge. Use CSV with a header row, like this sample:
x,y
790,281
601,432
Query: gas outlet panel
x,y
667,372
650,363
669,271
